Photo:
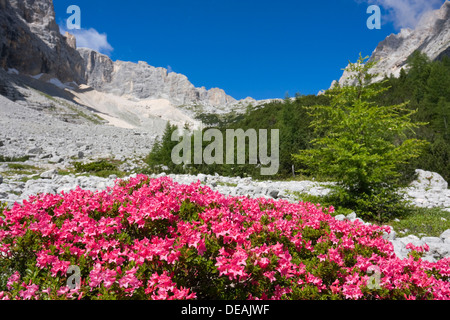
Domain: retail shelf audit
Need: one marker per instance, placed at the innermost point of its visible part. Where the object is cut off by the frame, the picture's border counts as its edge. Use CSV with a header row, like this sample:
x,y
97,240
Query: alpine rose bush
x,y
156,239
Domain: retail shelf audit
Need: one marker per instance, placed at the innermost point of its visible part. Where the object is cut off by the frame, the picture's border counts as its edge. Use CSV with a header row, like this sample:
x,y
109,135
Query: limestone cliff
x,y
431,36
31,43
143,81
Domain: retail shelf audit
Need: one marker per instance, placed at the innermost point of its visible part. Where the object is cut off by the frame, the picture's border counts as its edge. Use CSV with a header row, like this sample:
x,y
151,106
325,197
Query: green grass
x,y
422,222
66,172
107,173
302,177
95,119
14,159
226,184
322,200
34,177
101,168
90,117
21,167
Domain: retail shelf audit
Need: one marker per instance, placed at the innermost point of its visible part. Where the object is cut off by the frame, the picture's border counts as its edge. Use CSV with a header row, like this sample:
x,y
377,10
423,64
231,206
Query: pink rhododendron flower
x,y
13,279
29,292
156,239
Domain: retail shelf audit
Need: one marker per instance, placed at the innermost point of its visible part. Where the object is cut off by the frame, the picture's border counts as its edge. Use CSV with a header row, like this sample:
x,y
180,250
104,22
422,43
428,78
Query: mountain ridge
x,y
31,44
431,36
30,41
143,81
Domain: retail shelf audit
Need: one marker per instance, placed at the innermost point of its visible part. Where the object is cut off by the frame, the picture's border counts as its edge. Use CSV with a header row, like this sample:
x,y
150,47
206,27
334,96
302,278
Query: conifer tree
x,y
359,144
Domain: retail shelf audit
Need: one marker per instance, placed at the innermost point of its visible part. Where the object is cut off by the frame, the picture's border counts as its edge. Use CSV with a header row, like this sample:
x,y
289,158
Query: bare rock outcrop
x,y
431,36
143,81
31,43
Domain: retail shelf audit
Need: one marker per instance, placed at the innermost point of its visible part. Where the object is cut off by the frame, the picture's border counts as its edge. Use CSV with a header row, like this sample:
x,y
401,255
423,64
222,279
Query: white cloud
x,y
92,39
169,69
406,13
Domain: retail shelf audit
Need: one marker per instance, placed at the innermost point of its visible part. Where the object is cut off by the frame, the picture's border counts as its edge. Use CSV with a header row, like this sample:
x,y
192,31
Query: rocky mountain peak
x,y
71,40
39,14
142,81
431,36
31,43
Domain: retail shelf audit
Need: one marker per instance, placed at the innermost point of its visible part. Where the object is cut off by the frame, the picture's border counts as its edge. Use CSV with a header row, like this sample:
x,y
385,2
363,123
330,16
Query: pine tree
x,y
162,150
418,74
361,145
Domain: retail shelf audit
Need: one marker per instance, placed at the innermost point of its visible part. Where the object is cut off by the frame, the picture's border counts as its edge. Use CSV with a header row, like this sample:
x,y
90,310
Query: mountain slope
x,y
431,36
125,94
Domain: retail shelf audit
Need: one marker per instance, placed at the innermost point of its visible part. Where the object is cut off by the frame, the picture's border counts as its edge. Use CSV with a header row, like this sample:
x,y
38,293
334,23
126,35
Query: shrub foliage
x,y
362,145
155,239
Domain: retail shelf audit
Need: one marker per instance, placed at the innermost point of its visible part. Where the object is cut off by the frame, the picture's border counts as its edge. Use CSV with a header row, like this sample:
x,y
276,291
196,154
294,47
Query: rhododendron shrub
x,y
156,239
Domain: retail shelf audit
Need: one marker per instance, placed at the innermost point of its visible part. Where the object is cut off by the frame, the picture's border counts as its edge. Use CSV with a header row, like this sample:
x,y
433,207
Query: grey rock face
x,y
351,216
273,193
31,43
35,151
71,40
142,81
445,235
391,236
429,190
49,174
429,180
431,36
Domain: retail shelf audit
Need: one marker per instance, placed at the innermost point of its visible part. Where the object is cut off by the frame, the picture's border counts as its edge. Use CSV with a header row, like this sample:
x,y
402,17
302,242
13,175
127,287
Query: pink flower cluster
x,y
156,239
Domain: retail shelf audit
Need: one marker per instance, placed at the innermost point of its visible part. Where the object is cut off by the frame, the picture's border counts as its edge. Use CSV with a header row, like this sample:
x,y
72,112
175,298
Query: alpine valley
x,y
67,111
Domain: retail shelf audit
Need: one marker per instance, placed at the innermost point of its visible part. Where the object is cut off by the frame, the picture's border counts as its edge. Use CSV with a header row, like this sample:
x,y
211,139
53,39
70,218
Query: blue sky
x,y
262,49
